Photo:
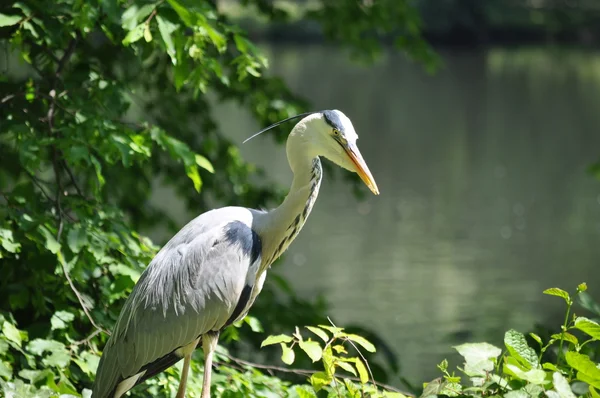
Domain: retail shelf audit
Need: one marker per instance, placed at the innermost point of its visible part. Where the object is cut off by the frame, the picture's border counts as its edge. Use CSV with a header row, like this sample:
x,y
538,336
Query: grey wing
x,y
192,286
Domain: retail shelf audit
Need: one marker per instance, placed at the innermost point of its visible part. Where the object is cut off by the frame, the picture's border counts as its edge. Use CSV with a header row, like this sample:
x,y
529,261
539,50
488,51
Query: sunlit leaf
x,y
517,346
254,324
588,326
9,20
557,292
11,333
134,35
332,329
535,376
192,173
287,354
147,33
346,366
319,380
364,343
586,369
478,357
51,243
204,163
319,332
61,319
561,385
5,369
362,371
166,29
566,336
304,392
281,338
186,16
312,349
537,338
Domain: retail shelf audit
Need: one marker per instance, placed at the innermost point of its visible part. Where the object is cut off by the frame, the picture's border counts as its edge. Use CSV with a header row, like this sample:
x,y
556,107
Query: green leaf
x,y
561,385
586,369
287,354
364,343
536,338
7,241
3,347
319,332
77,239
204,163
51,243
98,169
594,393
61,319
332,329
280,338
550,366
518,348
58,359
478,357
39,346
12,333
554,291
147,33
319,380
122,269
9,20
588,326
450,389
582,287
305,392
183,13
192,173
5,370
517,394
254,324
566,336
134,35
166,28
312,349
535,376
363,375
218,40
346,366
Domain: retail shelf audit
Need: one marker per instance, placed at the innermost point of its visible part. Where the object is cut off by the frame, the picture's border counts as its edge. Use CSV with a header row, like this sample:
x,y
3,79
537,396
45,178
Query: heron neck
x,y
286,221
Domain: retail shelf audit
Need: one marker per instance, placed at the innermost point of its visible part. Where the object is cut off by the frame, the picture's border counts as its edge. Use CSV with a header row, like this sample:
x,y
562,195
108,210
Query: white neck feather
x,y
282,225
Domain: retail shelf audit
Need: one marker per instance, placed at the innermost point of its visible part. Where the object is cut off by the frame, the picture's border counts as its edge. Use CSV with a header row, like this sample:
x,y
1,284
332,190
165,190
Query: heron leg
x,y
184,375
209,344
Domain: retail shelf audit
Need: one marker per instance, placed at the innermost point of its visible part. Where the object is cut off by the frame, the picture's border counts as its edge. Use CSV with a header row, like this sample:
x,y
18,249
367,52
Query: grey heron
x,y
209,274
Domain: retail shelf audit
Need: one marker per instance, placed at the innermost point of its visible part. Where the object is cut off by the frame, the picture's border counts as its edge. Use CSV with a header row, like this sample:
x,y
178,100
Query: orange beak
x,y
361,167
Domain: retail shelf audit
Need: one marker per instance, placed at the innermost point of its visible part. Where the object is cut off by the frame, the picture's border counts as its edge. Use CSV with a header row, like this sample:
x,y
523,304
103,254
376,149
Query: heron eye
x,y
336,132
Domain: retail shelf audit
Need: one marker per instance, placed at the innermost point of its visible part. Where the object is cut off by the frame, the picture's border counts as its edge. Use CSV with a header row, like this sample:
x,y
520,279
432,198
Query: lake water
x,y
484,203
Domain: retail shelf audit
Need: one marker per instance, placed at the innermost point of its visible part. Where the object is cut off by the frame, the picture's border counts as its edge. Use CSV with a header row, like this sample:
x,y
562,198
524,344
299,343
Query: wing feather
x,y
192,286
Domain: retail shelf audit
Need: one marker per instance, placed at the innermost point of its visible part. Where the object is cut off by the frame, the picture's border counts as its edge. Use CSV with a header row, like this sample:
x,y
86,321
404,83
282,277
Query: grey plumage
x,y
191,287
209,274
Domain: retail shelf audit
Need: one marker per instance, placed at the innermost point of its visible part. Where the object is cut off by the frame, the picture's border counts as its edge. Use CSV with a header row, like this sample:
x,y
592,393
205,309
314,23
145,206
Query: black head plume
x,y
277,124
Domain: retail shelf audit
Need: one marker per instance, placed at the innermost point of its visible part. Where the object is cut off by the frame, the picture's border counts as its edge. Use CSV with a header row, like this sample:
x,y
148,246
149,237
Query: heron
x,y
208,275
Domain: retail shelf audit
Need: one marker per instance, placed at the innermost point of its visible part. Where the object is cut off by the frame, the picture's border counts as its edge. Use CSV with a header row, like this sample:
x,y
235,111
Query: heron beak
x,y
361,167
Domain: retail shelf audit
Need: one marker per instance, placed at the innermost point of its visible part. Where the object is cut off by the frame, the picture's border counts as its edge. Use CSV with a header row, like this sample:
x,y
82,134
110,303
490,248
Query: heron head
x,y
332,135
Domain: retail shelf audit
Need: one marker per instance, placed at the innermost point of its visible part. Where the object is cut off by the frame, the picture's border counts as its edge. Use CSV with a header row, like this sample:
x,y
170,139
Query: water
x,y
484,198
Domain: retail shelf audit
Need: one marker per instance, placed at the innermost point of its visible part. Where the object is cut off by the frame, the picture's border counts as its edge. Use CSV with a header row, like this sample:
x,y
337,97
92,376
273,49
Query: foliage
x,y
564,366
102,101
331,350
